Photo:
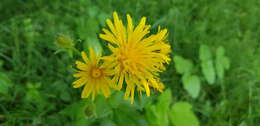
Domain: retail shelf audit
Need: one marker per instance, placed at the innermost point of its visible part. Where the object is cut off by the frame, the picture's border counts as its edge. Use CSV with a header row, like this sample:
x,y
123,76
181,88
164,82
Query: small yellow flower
x,y
137,57
93,75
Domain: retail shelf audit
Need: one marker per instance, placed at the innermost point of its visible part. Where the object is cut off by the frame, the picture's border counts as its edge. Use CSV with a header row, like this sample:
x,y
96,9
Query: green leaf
x,y
80,112
243,124
220,51
95,44
116,99
151,115
107,122
162,108
219,70
165,98
222,62
87,27
205,53
33,94
207,64
121,116
5,83
102,17
93,11
182,65
182,115
65,95
103,108
191,84
208,71
158,114
226,63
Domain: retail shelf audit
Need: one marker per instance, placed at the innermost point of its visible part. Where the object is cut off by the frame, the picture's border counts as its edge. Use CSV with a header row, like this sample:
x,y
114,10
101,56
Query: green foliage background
x,y
213,79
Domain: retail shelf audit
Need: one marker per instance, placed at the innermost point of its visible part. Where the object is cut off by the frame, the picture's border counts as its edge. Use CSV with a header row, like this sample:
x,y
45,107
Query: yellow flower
x,y
93,75
137,57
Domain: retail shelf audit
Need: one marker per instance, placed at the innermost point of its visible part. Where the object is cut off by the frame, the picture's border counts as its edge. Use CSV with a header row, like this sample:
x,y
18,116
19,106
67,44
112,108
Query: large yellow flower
x,y
137,57
93,75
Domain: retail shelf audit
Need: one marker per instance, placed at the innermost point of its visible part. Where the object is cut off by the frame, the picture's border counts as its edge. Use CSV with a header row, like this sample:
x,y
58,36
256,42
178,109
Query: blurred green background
x,y
213,78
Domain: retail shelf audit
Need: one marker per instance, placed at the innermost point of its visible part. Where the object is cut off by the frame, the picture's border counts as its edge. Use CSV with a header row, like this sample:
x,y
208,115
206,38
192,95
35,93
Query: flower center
x,y
96,73
129,59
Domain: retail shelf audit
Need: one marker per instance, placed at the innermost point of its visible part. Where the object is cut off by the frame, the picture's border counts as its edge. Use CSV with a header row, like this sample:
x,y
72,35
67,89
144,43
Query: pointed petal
x,y
78,83
86,91
127,92
132,94
120,82
130,23
81,66
93,57
111,26
80,74
114,81
147,89
84,56
106,91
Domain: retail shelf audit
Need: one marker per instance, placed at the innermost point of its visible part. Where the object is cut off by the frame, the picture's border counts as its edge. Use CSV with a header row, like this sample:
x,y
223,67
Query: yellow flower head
x,y
137,57
93,75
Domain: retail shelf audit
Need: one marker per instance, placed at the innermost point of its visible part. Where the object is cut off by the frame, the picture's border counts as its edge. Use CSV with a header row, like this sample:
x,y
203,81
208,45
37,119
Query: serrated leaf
x,y
182,115
204,53
208,71
191,85
182,65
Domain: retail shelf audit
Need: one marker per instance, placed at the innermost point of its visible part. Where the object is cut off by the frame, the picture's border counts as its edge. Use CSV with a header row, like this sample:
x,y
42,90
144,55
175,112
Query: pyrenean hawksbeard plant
x,y
137,57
